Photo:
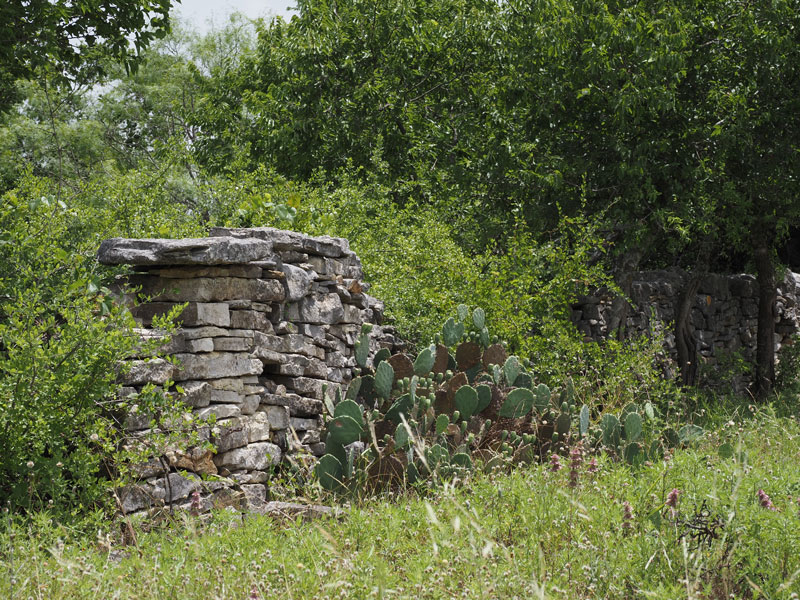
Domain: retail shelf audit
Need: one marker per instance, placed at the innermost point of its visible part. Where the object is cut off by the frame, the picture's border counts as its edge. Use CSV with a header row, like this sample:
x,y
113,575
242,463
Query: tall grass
x,y
517,534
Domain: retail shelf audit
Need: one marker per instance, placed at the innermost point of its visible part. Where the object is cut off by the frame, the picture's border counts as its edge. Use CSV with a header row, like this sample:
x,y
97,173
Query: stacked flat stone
x,y
270,322
724,313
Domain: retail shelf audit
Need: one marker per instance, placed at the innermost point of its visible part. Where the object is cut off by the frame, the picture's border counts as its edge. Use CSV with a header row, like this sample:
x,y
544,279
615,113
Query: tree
x,y
73,39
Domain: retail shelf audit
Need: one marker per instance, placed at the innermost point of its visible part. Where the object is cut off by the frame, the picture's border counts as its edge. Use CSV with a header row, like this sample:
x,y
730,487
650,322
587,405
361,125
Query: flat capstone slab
x,y
282,240
193,251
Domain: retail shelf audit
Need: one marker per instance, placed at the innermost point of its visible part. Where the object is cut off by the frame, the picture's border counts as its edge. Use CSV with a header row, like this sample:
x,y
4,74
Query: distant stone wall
x,y
271,322
724,313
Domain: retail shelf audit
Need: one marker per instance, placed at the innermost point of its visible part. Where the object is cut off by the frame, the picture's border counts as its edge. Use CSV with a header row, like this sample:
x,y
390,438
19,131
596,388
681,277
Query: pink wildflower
x,y
555,463
627,516
593,467
195,505
765,501
672,498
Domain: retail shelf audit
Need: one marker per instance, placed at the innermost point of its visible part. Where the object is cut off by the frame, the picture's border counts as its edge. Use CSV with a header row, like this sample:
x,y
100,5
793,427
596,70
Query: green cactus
x,y
401,436
350,409
329,471
461,460
633,454
436,456
380,355
689,434
610,427
425,360
511,369
452,332
344,430
353,389
583,421
523,380
563,423
362,350
401,406
541,399
633,427
466,401
384,379
671,439
442,421
518,403
484,398
463,312
479,318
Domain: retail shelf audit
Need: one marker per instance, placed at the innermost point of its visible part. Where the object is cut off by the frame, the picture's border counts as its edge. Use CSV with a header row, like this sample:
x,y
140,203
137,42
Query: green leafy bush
x,y
61,341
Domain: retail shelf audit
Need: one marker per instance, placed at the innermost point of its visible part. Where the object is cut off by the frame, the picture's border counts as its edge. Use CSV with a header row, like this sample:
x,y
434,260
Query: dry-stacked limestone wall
x,y
724,312
269,326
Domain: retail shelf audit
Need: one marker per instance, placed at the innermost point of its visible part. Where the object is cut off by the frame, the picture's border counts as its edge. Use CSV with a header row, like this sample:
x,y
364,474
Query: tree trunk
x,y
767,295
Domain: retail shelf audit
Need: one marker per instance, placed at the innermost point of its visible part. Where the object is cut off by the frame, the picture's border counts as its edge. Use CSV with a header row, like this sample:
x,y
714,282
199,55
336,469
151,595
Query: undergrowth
x,y
729,531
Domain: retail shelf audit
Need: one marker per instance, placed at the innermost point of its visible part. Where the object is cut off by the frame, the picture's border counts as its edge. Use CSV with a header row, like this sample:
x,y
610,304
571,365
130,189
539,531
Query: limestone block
x,y
304,386
351,314
199,251
255,496
231,344
216,365
298,405
195,314
325,309
300,424
191,272
196,394
268,357
297,281
253,457
250,319
278,416
230,434
298,365
232,384
208,289
174,487
220,411
250,404
269,342
140,372
258,428
290,240
135,497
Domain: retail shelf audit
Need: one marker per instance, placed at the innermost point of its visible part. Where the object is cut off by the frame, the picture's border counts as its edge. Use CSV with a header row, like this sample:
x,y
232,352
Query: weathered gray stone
x,y
216,365
321,310
174,487
232,344
304,386
190,272
298,405
278,416
199,251
140,372
195,314
258,428
254,457
220,411
209,289
250,404
255,496
250,319
297,281
299,424
230,434
290,240
133,498
196,394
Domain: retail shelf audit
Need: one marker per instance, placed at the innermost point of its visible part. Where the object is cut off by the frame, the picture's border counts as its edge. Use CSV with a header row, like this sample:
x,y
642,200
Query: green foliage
x,y
61,341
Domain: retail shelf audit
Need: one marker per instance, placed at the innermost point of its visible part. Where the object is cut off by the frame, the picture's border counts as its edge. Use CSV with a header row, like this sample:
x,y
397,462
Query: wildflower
x,y
575,462
765,501
627,516
195,505
593,466
94,437
672,498
555,463
29,464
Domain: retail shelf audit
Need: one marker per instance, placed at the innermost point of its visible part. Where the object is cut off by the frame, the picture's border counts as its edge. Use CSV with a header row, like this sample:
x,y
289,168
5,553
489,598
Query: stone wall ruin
x,y
270,325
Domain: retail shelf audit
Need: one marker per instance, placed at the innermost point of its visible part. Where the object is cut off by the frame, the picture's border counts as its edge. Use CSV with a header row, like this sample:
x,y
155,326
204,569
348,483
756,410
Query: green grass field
x,y
523,533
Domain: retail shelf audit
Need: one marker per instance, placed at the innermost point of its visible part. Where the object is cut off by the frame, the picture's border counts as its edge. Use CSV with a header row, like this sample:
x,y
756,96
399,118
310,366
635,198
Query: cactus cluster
x,y
404,421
